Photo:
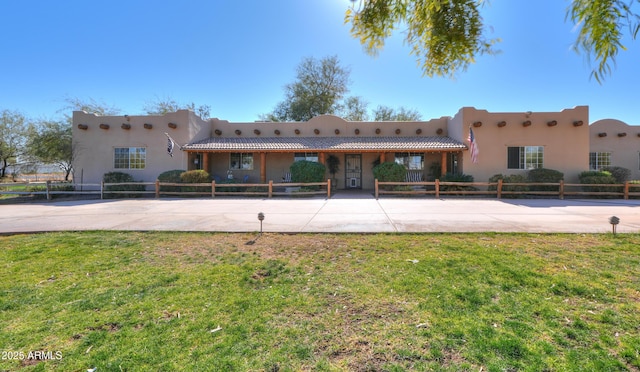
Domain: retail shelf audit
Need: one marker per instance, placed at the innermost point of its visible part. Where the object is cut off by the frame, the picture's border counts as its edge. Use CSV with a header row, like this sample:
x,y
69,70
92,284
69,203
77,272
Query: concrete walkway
x,y
345,212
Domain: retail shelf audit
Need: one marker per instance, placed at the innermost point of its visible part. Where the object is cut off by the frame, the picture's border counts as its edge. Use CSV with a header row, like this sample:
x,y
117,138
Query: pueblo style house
x,y
508,143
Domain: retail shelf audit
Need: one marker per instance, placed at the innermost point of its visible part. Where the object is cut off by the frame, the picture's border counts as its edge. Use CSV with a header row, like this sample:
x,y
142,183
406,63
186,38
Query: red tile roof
x,y
275,144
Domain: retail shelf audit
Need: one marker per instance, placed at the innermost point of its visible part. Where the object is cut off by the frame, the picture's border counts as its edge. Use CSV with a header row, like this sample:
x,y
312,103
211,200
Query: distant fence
x,y
213,189
560,189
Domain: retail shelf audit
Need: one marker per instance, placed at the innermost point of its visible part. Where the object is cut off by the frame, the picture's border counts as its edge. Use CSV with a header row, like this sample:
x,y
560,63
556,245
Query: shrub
x,y
456,177
307,171
390,172
120,177
598,177
619,173
195,176
514,178
172,176
544,175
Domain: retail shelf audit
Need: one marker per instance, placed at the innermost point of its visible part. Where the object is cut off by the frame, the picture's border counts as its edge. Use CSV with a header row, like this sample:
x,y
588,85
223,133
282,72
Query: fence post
x,y
157,189
626,190
102,190
437,188
270,192
376,188
328,188
48,189
561,191
213,188
499,189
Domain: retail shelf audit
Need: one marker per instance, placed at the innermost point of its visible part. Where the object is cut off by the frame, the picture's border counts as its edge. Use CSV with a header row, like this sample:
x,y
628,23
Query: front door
x,y
353,171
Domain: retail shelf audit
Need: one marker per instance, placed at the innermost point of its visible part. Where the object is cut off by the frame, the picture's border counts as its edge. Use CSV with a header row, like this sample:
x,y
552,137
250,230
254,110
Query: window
x,y
599,160
129,157
412,161
309,156
242,161
525,157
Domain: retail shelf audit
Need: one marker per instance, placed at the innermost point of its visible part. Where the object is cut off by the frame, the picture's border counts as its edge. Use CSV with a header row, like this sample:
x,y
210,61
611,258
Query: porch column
x,y
321,158
205,161
263,167
443,164
382,157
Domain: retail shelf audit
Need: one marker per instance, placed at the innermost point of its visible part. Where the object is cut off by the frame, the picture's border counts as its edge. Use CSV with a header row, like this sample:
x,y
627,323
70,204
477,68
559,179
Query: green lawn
x,y
163,301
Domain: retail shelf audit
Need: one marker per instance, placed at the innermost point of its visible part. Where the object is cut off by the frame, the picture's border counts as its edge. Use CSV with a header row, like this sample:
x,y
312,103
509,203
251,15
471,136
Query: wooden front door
x,y
353,171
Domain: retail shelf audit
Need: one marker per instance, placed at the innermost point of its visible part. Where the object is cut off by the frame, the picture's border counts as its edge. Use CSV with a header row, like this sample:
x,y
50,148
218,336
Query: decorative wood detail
x,y
378,131
398,131
418,131
603,134
147,126
316,131
238,132
477,124
218,132
526,123
256,132
502,124
104,126
577,123
125,126
85,127
172,125
277,132
439,131
623,134
552,123
357,131
297,131
337,131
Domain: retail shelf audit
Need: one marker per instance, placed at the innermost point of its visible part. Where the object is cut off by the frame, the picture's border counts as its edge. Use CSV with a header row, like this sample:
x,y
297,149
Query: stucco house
x,y
509,143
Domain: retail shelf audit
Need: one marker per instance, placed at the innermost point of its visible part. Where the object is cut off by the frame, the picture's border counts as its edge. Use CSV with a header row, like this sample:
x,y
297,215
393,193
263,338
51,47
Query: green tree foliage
x,y
447,36
51,143
13,136
354,109
386,113
317,90
166,105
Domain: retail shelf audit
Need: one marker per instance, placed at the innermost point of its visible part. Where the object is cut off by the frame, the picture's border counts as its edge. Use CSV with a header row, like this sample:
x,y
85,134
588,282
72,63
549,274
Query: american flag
x,y
473,146
169,146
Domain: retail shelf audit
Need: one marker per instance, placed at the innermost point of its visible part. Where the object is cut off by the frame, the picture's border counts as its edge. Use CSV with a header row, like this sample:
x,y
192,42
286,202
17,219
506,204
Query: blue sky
x,y
236,56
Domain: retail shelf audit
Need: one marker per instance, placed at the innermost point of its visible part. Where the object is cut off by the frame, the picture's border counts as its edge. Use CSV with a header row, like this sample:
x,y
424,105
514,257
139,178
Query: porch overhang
x,y
326,144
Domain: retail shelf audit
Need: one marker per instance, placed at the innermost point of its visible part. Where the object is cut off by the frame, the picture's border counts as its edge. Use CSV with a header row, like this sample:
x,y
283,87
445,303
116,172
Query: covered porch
x,y
263,159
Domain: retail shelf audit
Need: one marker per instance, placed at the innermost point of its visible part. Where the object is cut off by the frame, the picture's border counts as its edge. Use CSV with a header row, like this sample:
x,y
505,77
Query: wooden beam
x,y
263,167
382,157
443,164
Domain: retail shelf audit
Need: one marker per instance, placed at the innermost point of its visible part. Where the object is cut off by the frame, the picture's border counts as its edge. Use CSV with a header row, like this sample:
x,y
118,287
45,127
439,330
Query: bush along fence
x,y
509,190
138,189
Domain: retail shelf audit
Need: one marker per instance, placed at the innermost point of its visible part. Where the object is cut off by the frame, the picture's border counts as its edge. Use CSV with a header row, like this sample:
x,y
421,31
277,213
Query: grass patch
x,y
388,302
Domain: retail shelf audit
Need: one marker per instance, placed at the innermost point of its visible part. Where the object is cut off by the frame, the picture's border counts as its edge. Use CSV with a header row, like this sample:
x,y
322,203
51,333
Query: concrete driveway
x,y
346,212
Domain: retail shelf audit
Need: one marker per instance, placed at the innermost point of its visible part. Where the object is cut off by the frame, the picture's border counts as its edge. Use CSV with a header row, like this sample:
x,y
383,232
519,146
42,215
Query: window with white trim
x,y
241,160
411,160
129,157
525,157
599,160
309,156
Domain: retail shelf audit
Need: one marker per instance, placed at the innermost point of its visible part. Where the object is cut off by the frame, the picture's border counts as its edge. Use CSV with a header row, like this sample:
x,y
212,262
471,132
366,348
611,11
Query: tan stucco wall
x,y
327,126
621,140
566,146
94,154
